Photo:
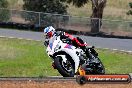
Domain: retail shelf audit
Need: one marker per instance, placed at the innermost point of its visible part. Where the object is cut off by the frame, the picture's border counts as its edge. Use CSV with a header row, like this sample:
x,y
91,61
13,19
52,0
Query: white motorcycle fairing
x,y
58,46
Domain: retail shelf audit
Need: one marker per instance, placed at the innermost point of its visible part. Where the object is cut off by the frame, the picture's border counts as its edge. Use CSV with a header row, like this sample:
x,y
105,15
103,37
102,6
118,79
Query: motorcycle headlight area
x,y
79,53
57,48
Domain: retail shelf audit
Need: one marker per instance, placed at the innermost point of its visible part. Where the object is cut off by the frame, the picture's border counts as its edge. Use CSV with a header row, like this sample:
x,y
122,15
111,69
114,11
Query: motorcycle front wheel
x,y
65,69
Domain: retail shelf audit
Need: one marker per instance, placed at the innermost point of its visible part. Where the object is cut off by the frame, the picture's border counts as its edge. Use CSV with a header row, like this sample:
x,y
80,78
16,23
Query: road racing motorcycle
x,y
67,58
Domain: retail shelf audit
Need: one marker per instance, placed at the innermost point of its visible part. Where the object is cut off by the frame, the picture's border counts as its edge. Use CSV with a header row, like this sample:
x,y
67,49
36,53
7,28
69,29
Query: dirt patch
x,y
57,84
19,20
121,33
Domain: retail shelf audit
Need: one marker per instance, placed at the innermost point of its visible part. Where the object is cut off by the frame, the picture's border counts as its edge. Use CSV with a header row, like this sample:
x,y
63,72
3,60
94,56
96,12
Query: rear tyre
x,y
94,66
99,67
65,69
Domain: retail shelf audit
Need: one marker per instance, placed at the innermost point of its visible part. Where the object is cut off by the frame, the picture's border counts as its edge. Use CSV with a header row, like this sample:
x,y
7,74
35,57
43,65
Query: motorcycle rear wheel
x,y
95,66
101,68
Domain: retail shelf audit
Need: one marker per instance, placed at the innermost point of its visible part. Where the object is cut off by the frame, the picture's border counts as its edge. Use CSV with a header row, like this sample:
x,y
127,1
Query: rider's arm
x,y
76,40
73,39
66,35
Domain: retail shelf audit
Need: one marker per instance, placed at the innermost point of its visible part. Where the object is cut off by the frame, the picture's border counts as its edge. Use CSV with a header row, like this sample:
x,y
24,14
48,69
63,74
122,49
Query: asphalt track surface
x,y
110,43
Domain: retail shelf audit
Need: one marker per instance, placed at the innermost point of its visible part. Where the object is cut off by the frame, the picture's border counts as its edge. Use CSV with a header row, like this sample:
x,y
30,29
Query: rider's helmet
x,y
49,31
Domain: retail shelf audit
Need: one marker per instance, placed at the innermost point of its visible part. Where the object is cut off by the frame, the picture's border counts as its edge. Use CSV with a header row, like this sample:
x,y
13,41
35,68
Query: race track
x,y
111,43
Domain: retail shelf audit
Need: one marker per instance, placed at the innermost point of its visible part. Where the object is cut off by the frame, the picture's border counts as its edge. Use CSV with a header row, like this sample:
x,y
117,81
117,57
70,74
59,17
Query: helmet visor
x,y
48,35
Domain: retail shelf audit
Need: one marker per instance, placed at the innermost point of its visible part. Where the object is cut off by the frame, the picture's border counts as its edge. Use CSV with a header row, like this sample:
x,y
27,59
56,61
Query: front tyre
x,y
65,69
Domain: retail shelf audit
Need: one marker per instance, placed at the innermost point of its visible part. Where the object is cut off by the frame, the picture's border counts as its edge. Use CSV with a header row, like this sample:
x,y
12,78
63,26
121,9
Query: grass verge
x,y
24,58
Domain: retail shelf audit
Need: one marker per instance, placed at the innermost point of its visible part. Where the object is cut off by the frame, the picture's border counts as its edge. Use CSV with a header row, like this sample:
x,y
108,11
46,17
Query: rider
x,y
50,32
51,35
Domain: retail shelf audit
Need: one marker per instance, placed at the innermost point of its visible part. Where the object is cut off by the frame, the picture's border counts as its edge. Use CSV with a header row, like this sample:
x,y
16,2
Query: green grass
x,y
115,61
22,58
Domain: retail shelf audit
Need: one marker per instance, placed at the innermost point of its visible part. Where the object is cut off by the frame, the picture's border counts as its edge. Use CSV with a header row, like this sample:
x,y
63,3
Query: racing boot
x,y
53,65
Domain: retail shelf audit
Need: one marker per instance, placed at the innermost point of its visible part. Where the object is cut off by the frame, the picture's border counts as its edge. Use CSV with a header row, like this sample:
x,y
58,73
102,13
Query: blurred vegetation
x,y
130,11
46,6
114,10
4,14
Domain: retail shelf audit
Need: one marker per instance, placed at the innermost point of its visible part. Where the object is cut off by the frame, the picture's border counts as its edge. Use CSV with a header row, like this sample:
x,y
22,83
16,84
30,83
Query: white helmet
x,y
49,31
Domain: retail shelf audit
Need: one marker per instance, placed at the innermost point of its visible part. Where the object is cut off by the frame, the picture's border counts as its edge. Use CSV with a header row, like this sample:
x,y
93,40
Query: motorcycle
x,y
67,58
